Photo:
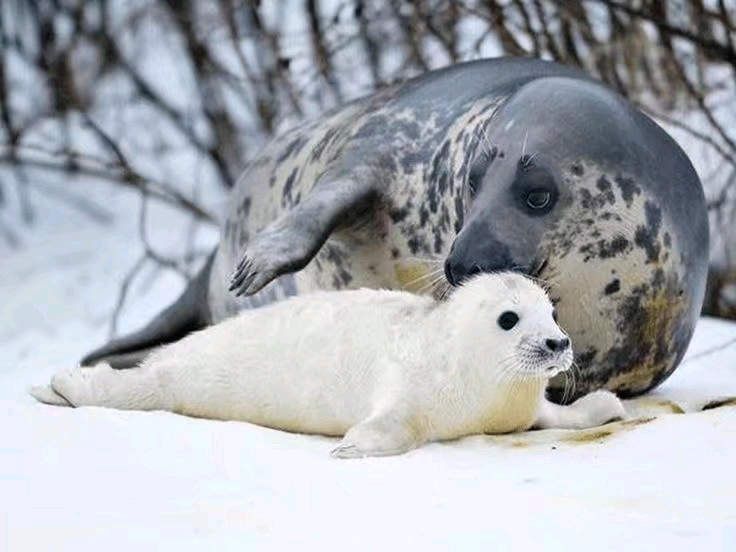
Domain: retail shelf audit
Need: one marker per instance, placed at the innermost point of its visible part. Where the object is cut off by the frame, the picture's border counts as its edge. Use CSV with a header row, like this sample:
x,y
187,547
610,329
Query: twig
x,y
712,350
321,53
158,190
83,205
530,31
123,294
371,46
723,52
730,156
498,24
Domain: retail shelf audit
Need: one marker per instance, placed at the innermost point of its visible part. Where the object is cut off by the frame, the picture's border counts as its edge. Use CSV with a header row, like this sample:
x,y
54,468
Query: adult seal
x,y
488,165
389,370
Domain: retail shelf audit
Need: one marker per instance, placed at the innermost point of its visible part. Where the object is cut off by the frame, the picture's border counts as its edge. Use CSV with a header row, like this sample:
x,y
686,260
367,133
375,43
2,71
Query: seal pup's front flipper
x,y
189,313
289,243
389,431
590,410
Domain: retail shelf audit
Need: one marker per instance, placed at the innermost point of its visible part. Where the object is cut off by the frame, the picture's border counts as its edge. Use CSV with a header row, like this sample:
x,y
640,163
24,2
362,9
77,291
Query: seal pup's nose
x,y
557,345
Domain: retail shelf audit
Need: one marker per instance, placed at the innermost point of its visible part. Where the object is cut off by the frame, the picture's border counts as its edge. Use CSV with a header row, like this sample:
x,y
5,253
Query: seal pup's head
x,y
508,319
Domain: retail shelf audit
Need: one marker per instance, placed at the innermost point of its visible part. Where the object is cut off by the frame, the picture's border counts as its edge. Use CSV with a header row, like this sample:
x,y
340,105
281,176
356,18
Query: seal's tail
x,y
187,314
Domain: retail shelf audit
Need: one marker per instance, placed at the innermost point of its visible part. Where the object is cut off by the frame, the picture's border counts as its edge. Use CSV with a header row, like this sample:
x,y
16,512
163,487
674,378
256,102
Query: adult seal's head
x,y
581,189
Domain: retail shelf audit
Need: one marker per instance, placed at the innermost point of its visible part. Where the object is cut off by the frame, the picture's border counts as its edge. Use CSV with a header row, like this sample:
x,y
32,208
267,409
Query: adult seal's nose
x,y
558,345
456,273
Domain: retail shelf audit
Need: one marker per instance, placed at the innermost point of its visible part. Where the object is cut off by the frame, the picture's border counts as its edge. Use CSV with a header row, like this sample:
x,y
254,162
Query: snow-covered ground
x,y
97,479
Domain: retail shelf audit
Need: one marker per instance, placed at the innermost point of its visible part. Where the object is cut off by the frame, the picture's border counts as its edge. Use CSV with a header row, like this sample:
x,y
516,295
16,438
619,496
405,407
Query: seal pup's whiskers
x,y
434,284
428,276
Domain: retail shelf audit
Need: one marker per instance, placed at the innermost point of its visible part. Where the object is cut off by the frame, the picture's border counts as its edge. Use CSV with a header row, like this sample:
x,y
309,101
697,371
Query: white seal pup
x,y
389,370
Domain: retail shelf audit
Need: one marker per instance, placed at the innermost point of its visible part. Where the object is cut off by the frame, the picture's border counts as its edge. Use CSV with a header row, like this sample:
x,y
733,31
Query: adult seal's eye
x,y
538,199
508,320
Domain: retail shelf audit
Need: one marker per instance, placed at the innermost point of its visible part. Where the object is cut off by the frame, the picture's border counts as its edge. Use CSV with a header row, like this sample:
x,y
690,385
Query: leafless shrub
x,y
217,78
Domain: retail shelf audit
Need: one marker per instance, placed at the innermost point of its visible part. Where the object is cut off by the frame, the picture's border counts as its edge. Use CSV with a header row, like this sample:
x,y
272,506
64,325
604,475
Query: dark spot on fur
x,y
606,190
653,216
655,333
334,255
628,189
658,279
584,359
244,207
603,184
667,239
586,198
438,175
398,215
289,184
604,249
423,216
438,240
414,245
612,287
459,214
394,253
442,183
577,169
323,143
293,148
345,276
646,236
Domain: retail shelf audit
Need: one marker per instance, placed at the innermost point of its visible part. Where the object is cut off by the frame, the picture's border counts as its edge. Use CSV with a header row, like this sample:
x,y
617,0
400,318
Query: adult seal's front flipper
x,y
189,313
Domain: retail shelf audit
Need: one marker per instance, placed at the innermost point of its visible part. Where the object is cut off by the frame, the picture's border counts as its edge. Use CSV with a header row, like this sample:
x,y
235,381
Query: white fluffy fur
x,y
389,370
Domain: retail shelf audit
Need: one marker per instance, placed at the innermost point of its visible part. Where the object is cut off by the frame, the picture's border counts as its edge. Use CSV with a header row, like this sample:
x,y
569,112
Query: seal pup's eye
x,y
508,320
554,315
538,199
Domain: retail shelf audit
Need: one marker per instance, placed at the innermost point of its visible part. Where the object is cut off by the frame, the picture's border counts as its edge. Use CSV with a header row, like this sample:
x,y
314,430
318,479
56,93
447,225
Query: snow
x,y
99,479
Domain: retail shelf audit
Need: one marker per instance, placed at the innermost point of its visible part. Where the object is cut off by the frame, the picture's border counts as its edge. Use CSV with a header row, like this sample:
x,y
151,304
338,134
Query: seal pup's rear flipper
x,y
46,394
187,314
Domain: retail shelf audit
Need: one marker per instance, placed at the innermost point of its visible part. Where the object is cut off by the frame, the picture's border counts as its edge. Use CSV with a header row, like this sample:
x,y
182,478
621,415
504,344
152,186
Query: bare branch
x,y
158,190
